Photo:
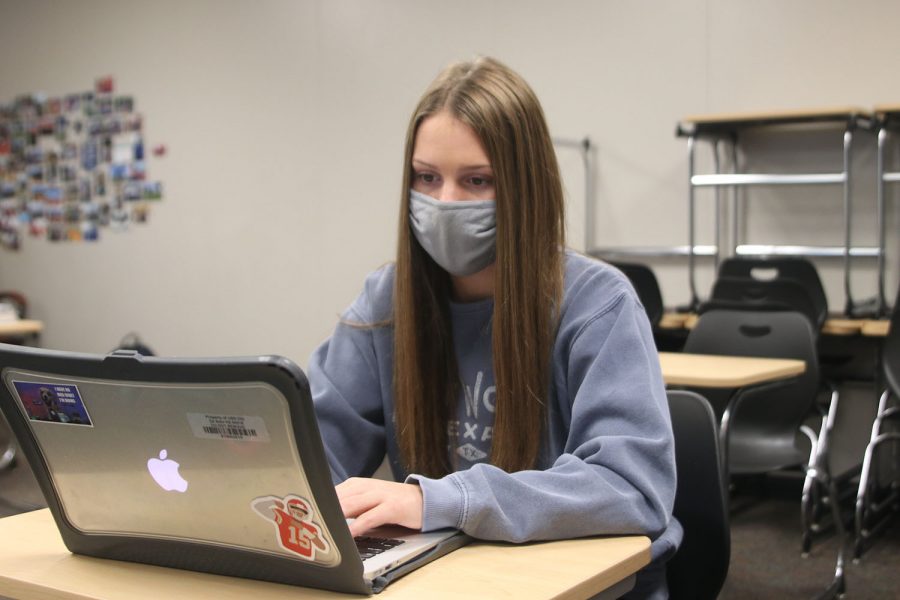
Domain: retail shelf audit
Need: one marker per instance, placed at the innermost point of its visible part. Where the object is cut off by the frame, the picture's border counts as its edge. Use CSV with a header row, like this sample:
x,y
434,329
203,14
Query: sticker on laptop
x,y
296,529
52,402
228,427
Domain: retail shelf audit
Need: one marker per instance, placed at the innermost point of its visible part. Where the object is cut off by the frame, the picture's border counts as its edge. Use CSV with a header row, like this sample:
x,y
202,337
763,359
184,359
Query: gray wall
x,y
285,119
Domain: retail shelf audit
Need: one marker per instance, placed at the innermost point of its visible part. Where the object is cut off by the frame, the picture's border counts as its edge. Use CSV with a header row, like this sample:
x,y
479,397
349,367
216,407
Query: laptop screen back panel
x,y
236,430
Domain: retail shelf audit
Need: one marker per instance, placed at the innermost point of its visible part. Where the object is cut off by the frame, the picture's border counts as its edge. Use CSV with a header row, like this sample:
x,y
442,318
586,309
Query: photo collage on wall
x,y
73,165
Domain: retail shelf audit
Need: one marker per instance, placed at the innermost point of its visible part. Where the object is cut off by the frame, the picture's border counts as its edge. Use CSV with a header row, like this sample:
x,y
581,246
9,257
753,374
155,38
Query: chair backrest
x,y
132,341
17,300
790,267
775,294
700,566
769,416
646,286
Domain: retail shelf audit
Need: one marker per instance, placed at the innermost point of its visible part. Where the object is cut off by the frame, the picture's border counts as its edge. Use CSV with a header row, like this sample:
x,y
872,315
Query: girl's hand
x,y
374,502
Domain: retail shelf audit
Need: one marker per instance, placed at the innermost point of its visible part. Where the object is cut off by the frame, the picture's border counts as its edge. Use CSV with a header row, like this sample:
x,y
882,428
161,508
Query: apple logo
x,y
165,472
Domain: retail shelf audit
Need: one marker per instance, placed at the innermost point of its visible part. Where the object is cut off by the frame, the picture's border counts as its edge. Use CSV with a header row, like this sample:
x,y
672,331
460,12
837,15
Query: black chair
x,y
777,294
699,568
19,304
797,269
759,425
762,426
878,495
132,341
647,288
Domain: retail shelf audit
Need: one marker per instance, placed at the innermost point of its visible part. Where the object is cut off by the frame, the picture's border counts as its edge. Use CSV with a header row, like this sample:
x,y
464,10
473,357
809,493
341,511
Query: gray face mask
x,y
459,235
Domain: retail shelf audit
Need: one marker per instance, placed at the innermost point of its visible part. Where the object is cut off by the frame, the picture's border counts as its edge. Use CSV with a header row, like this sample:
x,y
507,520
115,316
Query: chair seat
x,y
753,459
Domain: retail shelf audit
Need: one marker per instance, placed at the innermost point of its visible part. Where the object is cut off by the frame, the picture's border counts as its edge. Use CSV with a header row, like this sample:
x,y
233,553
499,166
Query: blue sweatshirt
x,y
607,465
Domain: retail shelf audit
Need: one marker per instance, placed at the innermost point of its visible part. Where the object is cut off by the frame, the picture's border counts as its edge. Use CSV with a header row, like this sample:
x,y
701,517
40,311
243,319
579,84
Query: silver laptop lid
x,y
214,463
206,464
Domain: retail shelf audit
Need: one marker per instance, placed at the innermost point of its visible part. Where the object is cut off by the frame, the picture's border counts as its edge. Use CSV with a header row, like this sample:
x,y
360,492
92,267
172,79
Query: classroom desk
x,y
729,122
728,372
876,328
20,327
705,370
37,564
832,326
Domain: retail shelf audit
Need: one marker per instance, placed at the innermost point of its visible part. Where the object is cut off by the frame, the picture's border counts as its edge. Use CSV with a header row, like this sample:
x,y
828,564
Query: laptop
x,y
211,465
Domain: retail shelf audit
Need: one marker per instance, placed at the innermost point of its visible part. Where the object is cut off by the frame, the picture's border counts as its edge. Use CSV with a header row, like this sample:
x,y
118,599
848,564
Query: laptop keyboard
x,y
371,546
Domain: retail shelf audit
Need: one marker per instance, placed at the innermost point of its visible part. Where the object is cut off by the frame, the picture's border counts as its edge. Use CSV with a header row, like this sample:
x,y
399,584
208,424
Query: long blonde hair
x,y
506,116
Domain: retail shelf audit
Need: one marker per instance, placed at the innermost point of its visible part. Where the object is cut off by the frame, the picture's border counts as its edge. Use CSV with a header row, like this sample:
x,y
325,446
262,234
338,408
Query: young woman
x,y
514,385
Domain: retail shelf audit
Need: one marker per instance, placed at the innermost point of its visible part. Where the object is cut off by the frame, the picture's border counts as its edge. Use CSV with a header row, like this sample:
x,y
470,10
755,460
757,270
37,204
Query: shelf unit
x,y
726,129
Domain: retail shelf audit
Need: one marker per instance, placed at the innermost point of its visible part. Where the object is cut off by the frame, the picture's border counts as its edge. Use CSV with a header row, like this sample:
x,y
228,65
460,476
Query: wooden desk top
x,y
741,120
20,327
876,327
37,564
704,370
842,326
888,113
671,320
834,326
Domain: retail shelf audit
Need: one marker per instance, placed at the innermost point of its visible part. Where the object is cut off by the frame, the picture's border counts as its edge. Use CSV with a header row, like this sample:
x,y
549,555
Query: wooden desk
x,y
704,370
20,327
673,320
837,326
876,328
35,563
832,326
886,111
743,120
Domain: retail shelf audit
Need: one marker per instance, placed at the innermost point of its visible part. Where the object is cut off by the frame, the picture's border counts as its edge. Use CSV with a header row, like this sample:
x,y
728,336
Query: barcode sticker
x,y
240,428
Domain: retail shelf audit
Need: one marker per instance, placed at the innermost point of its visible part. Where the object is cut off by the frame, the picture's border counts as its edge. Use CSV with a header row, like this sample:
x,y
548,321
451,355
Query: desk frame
x,y
726,128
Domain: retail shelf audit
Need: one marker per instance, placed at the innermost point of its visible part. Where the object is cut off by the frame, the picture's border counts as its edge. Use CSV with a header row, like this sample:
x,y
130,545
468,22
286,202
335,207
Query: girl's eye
x,y
426,177
477,181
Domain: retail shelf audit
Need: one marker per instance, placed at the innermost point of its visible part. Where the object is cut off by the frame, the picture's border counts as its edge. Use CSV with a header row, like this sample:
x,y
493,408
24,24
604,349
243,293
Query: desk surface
x,y
876,328
887,111
20,327
37,564
704,370
833,326
740,120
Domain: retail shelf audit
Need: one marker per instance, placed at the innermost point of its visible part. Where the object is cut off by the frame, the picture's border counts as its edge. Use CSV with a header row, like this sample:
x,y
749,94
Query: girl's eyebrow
x,y
465,168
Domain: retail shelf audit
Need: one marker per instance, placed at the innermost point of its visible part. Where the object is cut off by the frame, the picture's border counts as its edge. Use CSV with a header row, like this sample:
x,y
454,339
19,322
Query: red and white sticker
x,y
296,527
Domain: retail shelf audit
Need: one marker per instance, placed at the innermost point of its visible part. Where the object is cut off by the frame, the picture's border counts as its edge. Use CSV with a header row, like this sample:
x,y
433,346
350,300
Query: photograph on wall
x,y
72,165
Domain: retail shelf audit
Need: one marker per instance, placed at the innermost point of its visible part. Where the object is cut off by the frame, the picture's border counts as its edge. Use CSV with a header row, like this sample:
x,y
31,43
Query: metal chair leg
x,y
808,497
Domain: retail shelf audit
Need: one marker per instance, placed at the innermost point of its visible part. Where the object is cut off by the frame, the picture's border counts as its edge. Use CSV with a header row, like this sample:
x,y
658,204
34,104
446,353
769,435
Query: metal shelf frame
x,y
584,148
887,122
724,131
